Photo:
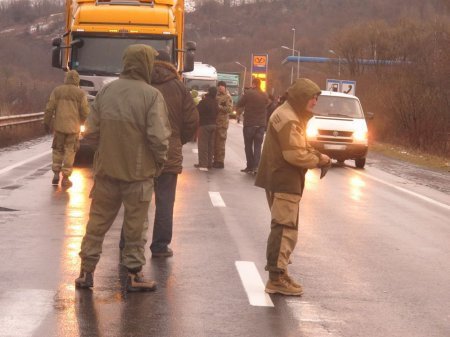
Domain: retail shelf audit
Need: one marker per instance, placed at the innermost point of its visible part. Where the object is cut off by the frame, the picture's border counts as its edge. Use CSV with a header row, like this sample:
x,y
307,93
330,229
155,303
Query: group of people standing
x,y
141,121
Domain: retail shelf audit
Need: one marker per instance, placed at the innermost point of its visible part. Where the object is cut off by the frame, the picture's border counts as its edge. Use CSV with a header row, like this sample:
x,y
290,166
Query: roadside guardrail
x,y
18,128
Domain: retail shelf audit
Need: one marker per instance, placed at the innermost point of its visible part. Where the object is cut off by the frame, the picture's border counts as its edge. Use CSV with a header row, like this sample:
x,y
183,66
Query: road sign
x,y
344,86
348,87
333,85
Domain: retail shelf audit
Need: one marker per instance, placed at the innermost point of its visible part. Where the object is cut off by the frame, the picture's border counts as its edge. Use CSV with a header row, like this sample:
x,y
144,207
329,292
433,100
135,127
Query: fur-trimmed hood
x,y
163,72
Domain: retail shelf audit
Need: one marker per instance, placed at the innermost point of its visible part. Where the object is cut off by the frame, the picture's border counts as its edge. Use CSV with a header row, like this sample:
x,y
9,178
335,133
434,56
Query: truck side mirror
x,y
189,56
56,42
56,57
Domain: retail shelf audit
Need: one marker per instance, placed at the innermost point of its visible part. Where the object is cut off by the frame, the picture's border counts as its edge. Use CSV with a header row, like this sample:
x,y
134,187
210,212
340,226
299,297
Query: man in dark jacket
x,y
254,103
66,110
208,110
131,119
183,117
285,159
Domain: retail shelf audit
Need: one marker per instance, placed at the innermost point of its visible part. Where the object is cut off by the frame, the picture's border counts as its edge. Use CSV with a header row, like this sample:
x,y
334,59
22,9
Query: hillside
x,y
410,100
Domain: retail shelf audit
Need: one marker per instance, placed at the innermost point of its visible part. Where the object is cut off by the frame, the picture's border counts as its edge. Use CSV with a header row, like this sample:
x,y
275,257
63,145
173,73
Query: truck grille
x,y
335,136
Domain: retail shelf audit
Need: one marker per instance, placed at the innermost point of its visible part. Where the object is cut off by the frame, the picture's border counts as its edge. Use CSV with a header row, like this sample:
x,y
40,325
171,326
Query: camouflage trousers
x,y
65,146
219,144
284,209
107,195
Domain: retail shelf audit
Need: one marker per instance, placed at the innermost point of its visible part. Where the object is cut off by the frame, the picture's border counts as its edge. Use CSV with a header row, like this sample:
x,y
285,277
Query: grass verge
x,y
412,156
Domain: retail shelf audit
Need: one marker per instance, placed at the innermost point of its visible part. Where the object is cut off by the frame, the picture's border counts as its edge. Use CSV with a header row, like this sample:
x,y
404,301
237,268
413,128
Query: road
x,y
373,257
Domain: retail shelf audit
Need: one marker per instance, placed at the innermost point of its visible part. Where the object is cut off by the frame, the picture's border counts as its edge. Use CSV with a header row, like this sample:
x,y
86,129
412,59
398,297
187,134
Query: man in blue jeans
x,y
254,103
183,118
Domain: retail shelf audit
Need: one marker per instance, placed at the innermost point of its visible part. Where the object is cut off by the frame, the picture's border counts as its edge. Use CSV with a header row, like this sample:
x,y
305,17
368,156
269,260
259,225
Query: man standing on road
x,y
183,117
131,119
285,159
66,110
225,107
254,102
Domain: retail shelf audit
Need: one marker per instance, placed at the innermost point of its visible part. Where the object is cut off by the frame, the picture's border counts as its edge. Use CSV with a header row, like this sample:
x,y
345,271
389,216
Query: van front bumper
x,y
341,151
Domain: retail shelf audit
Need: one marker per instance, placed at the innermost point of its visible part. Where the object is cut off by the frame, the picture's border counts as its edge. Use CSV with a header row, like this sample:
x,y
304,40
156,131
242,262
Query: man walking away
x,y
225,107
285,159
254,102
66,110
131,119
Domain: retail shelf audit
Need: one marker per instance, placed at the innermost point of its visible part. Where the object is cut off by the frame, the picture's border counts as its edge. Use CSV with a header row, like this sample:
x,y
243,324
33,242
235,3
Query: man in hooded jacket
x,y
285,159
66,110
183,117
131,119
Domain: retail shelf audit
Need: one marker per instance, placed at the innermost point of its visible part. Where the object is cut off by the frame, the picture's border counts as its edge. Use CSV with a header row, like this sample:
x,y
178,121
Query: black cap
x,y
163,56
256,82
222,83
212,92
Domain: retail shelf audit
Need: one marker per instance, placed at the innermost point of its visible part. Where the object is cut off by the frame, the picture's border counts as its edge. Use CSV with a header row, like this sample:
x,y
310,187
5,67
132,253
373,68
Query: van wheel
x,y
360,162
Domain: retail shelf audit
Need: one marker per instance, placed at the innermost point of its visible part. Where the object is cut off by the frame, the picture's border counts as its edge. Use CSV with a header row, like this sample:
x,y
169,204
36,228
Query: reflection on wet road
x,y
366,256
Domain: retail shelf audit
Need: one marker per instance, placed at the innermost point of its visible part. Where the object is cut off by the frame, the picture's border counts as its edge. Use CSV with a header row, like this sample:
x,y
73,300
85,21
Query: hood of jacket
x,y
163,72
138,60
299,94
72,77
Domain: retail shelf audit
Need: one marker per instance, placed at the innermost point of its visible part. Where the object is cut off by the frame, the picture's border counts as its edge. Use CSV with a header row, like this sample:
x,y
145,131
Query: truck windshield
x,y
338,107
198,84
103,55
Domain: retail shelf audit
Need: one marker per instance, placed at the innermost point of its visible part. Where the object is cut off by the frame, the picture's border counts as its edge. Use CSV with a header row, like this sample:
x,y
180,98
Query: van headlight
x,y
360,135
312,131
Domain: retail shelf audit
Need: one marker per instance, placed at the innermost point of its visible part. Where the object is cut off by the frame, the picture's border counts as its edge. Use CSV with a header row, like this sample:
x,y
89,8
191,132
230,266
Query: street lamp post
x,y
245,75
339,61
293,49
298,60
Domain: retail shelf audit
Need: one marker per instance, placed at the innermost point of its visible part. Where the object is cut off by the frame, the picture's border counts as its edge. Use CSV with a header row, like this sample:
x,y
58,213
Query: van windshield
x,y
335,106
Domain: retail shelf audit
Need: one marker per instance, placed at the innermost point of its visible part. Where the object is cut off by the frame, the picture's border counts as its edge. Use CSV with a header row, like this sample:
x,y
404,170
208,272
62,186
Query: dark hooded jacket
x,y
286,154
131,119
183,115
67,107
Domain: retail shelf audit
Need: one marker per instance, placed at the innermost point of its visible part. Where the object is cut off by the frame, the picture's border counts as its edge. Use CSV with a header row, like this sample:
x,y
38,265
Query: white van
x,y
338,128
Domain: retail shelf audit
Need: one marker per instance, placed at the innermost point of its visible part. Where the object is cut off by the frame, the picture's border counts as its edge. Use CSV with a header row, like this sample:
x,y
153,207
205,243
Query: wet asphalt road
x,y
373,257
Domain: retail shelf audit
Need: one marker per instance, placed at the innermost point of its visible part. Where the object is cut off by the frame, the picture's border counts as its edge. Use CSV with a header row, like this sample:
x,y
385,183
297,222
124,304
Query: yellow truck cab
x,y
98,31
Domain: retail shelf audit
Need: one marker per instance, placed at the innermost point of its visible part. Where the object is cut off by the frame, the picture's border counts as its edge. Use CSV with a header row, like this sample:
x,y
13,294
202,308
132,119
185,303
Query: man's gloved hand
x,y
324,160
324,164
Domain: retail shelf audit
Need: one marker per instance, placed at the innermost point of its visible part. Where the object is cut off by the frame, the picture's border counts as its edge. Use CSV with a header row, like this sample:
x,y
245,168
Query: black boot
x,y
55,180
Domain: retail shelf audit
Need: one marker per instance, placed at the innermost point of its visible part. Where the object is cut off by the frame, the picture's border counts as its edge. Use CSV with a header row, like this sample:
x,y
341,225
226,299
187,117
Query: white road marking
x,y
253,285
23,310
9,168
417,195
195,150
216,199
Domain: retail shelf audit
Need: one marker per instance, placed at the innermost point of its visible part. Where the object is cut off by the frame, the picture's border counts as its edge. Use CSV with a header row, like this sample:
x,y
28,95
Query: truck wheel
x,y
360,162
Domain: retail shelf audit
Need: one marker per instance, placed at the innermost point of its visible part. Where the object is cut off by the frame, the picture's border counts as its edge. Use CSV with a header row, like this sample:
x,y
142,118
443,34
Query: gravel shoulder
x,y
435,179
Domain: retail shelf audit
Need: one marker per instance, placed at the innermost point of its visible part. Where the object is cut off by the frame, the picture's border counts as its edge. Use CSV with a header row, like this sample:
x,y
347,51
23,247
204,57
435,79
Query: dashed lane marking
x,y
253,285
9,168
216,199
404,190
23,310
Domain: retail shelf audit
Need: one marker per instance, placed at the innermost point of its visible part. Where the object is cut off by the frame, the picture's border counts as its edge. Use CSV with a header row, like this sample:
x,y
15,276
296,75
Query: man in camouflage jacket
x,y
66,110
285,158
225,107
